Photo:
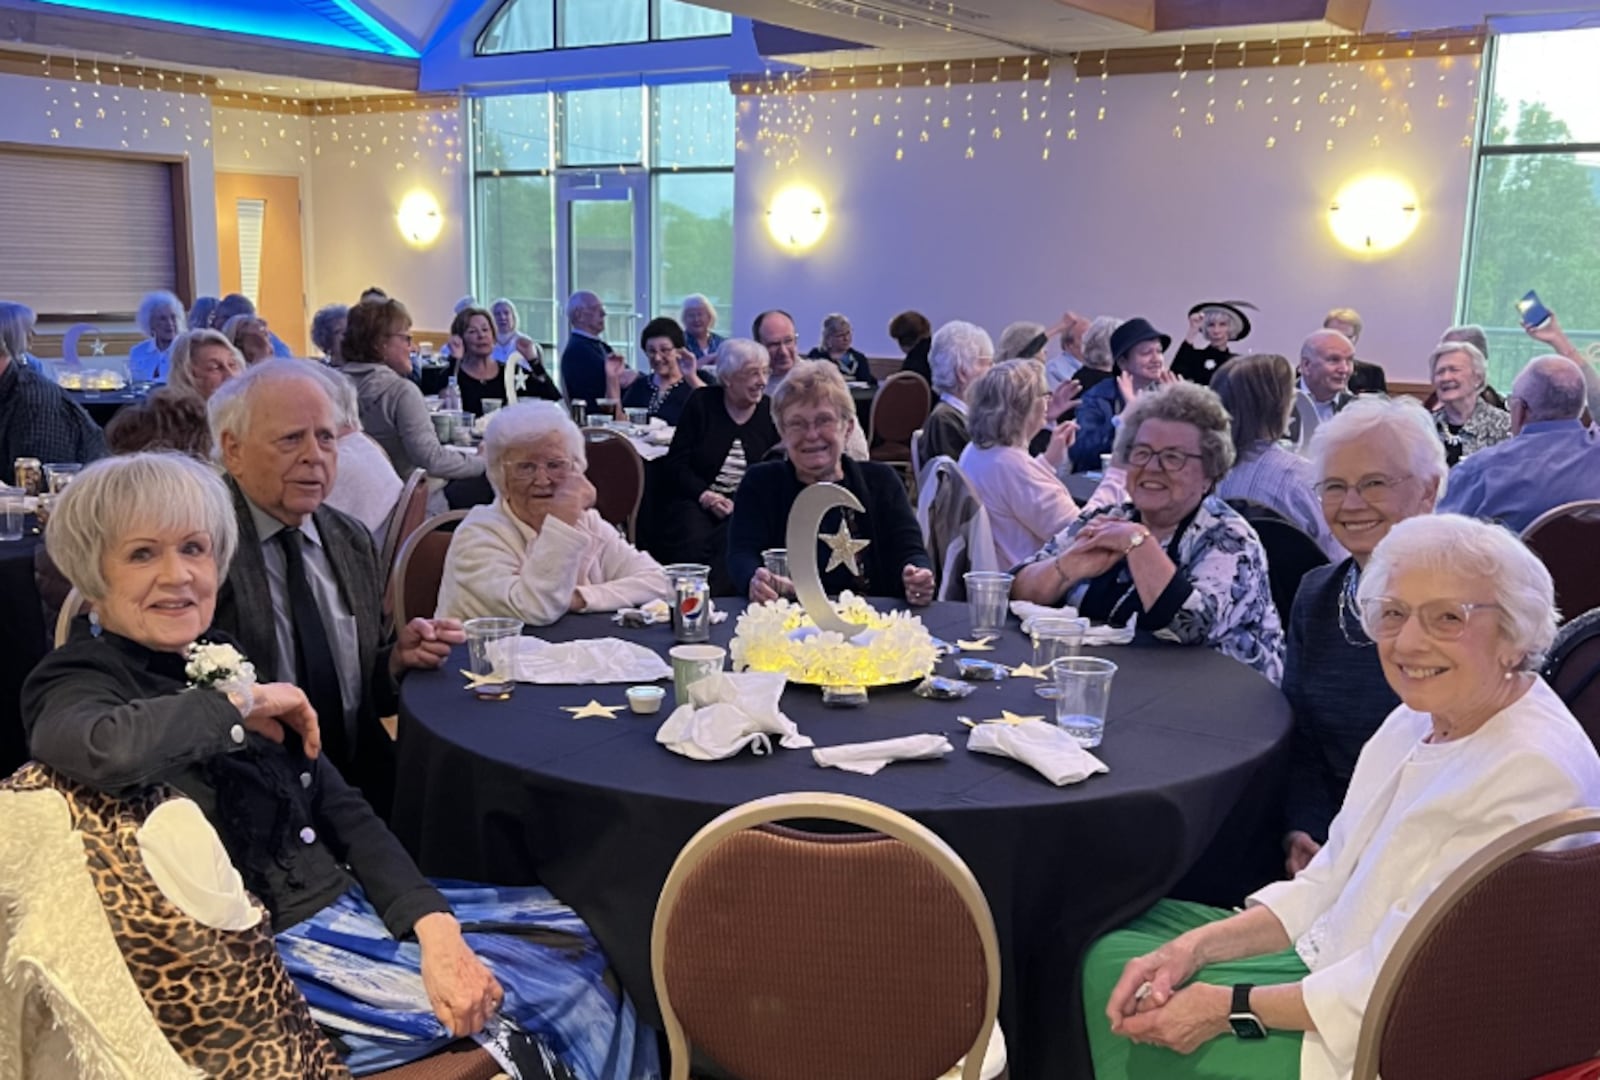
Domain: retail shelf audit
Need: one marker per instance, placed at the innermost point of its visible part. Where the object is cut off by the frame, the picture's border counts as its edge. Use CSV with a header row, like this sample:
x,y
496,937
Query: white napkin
x,y
600,660
658,611
1096,635
728,712
1048,749
867,758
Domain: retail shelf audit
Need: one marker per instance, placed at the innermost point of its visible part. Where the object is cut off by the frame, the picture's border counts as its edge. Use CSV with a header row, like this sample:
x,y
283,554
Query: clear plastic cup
x,y
492,404
13,512
1083,693
492,653
638,417
988,594
1054,637
58,475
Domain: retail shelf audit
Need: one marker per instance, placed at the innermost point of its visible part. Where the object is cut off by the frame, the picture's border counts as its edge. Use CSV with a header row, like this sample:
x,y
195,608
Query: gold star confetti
x,y
594,708
475,680
1028,671
843,549
980,645
1008,717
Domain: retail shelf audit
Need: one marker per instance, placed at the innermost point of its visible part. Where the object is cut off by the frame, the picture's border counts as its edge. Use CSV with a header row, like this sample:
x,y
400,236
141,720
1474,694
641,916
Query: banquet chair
x,y
955,527
1572,669
617,472
462,1060
782,954
77,604
1488,980
1290,552
1565,539
420,568
898,410
410,510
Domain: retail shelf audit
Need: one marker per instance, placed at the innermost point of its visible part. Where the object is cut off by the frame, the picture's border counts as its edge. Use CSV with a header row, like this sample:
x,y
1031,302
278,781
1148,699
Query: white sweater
x,y
1415,812
497,565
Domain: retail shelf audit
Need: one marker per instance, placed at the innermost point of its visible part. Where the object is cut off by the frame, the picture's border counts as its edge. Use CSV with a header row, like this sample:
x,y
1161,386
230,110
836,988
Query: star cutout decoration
x,y
979,645
843,549
97,347
521,379
1008,717
475,680
1028,671
594,708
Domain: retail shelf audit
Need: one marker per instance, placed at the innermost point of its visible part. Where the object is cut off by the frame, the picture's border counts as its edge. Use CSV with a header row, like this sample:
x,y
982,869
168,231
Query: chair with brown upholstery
x,y
781,954
410,510
420,568
617,472
1573,670
463,1060
1490,979
1566,539
898,411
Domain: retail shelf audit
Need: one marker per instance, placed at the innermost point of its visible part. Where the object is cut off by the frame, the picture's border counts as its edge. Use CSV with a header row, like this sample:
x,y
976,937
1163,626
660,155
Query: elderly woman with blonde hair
x,y
814,414
201,361
1461,613
1466,423
540,549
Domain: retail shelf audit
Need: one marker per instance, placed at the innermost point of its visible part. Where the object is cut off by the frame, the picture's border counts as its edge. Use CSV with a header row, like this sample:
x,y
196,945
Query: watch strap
x,y
1241,997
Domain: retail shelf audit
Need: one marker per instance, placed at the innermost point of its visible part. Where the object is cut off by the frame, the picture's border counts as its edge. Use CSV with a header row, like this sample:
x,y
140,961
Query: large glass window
x,y
537,25
603,127
1536,215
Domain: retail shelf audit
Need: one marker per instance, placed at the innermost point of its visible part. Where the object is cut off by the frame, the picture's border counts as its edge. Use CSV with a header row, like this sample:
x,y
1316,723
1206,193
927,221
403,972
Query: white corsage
x,y
222,668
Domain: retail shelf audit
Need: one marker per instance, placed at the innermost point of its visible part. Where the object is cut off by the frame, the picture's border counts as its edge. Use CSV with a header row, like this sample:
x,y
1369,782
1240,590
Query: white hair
x,y
1480,366
1014,338
1473,551
736,354
16,323
528,422
231,409
954,354
1402,418
700,300
464,303
152,303
579,300
341,391
115,495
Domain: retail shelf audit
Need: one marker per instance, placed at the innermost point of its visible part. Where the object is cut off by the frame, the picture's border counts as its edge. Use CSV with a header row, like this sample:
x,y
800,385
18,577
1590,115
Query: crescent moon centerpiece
x,y
800,537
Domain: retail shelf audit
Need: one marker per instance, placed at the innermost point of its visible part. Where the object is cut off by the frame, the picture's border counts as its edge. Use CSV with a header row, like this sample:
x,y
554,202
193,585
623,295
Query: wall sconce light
x,y
1374,214
419,218
796,217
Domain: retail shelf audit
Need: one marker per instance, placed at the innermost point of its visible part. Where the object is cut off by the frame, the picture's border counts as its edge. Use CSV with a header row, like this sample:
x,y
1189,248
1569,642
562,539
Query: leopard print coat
x,y
222,998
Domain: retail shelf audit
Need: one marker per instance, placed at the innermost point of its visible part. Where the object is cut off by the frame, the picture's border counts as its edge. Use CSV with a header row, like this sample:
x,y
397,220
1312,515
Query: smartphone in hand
x,y
1534,314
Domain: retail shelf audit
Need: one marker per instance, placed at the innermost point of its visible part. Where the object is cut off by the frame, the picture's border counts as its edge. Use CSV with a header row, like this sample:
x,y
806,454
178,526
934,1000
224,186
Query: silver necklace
x,y
1347,601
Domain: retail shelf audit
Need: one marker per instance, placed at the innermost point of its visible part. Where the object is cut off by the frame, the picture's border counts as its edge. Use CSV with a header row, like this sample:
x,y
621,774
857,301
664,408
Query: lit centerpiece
x,y
814,641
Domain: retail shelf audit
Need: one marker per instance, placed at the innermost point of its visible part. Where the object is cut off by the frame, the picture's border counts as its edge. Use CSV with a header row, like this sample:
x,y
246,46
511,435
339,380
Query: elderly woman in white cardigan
x,y
1460,612
540,549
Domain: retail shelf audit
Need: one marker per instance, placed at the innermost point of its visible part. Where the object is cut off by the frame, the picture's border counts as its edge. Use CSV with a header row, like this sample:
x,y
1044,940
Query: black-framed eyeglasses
x,y
1171,459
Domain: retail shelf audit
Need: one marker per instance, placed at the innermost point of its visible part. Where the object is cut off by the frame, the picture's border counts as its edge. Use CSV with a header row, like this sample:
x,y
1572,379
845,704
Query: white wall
x,y
40,112
1126,219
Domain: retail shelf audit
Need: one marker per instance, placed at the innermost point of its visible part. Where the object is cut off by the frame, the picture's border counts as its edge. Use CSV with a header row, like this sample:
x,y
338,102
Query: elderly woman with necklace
x,y
1375,464
673,376
1466,423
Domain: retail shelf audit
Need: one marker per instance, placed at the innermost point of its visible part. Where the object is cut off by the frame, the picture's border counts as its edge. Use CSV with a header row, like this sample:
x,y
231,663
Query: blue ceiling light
x,y
338,24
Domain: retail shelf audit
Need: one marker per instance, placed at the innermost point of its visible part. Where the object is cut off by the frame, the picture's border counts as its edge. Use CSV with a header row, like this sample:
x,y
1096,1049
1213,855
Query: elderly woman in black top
x,y
156,699
1374,465
673,376
838,349
814,414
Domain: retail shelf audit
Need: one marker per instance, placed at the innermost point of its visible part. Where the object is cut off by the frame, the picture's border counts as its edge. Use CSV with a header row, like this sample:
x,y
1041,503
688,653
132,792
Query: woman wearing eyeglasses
x,y
814,414
1461,613
1375,464
540,549
1181,561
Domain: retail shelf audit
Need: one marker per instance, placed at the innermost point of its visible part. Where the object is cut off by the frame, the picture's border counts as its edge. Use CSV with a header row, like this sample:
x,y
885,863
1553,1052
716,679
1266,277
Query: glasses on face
x,y
1442,620
795,427
529,470
1372,489
1170,460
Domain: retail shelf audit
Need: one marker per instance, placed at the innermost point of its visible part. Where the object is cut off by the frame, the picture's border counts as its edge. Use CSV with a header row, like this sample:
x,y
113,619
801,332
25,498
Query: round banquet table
x,y
517,792
23,640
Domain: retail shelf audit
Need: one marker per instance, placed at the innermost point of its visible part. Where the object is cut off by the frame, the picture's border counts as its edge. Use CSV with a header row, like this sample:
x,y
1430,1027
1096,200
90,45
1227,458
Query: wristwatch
x,y
1138,538
1245,1024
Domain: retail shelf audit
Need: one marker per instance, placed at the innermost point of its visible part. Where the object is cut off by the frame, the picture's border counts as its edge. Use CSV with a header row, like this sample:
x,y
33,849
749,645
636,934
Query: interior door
x,y
259,249
602,242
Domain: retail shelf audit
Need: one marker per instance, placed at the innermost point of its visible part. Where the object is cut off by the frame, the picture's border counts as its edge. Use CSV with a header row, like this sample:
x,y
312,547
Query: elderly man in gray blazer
x,y
304,593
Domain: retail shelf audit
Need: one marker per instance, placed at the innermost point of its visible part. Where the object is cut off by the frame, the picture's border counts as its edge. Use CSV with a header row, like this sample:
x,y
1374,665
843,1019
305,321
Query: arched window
x,y
538,25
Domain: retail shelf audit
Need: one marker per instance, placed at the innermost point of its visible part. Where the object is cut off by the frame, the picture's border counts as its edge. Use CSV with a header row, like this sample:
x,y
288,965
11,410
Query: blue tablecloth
x,y
517,792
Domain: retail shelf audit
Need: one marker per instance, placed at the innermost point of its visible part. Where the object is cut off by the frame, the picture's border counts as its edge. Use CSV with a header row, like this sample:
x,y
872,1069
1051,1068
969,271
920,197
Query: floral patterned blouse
x,y
1486,426
1220,596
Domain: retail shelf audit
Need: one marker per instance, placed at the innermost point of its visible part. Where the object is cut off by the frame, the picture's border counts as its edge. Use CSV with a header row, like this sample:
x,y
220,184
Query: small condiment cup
x,y
645,700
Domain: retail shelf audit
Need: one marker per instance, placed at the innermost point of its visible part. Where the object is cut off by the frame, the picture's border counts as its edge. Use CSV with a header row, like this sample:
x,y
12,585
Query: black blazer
x,y
244,612
583,370
700,444
761,519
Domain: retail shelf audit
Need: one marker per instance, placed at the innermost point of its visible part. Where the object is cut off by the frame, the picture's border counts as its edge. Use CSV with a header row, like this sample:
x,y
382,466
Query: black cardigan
x,y
705,433
761,519
117,716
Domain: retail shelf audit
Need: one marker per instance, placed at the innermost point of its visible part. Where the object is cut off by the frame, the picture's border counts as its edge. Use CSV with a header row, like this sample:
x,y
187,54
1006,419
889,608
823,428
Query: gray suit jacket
x,y
244,611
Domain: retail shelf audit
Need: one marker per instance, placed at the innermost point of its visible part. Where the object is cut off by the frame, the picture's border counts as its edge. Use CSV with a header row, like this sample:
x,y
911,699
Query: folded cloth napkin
x,y
599,660
1051,751
868,758
1097,635
728,712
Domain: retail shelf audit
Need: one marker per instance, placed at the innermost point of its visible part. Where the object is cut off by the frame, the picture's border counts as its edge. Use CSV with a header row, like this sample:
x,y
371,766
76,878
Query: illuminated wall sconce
x,y
796,217
419,218
1375,214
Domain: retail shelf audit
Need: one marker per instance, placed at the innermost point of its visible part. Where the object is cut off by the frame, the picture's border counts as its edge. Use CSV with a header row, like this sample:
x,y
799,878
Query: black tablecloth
x,y
862,396
102,405
22,643
516,792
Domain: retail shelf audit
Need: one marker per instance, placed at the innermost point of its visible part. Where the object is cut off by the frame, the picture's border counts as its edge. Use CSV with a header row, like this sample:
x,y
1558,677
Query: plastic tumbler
x,y
988,593
13,511
492,652
58,475
638,417
690,664
1053,638
1083,692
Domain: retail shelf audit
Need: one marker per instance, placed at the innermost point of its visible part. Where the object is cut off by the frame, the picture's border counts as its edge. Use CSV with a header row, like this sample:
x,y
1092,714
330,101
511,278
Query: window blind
x,y
84,234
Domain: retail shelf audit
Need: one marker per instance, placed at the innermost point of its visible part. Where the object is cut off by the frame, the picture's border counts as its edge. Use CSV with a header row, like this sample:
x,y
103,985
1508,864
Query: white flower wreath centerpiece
x,y
779,636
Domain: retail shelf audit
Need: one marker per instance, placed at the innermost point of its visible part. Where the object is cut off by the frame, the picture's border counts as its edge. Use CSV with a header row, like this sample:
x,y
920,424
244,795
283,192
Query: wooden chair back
x,y
1566,538
419,571
617,472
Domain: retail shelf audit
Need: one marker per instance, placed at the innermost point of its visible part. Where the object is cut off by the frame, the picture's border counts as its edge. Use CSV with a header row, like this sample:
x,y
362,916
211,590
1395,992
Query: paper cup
x,y
690,664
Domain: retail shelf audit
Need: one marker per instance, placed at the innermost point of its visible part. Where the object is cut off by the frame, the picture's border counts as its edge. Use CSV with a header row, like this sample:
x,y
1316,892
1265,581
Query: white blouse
x,y
1415,812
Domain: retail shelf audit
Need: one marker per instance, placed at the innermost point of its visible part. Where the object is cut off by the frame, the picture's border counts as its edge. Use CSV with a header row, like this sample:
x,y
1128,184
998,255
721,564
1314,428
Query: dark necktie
x,y
314,668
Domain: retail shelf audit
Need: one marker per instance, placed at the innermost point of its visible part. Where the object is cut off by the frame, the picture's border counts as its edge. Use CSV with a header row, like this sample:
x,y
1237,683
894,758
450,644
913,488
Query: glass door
x,y
601,236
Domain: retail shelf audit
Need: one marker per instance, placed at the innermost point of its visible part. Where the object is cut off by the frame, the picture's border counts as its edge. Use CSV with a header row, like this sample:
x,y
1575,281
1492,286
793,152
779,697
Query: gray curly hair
x,y
1182,403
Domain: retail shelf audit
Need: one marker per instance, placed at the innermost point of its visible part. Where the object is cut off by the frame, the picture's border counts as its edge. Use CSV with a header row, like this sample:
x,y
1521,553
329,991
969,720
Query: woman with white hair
x,y
959,354
1461,613
724,429
365,486
160,316
1098,363
540,549
1375,464
837,349
699,318
1465,422
16,333
202,360
509,341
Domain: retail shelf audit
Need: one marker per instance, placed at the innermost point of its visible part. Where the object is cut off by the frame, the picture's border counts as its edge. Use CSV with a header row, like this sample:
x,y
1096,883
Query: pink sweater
x,y
1027,505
